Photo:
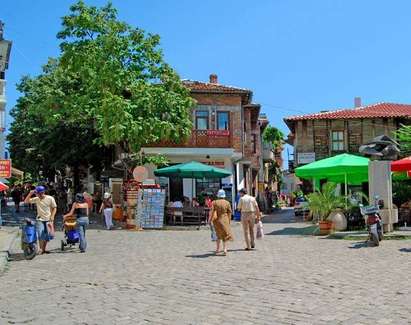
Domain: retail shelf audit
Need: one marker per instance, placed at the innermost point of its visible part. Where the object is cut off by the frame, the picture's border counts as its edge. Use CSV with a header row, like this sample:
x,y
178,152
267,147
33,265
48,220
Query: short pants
x,y
42,233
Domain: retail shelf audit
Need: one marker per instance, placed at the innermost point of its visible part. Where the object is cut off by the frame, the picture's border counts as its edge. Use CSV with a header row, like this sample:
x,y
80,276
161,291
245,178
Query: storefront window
x,y
202,120
208,185
223,120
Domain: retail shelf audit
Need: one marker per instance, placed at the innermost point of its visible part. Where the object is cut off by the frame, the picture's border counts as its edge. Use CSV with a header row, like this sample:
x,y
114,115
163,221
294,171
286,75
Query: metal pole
x,y
346,190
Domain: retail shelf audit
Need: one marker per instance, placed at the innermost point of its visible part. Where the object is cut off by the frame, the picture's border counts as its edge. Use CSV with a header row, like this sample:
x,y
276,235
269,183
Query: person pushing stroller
x,y
80,210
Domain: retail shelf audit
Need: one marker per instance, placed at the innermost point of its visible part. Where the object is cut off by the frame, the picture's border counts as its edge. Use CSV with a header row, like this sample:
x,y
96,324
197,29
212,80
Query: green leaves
x,y
110,84
404,138
322,203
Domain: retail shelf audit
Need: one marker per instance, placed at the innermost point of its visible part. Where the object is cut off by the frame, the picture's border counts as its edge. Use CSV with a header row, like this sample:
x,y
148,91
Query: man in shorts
x,y
46,211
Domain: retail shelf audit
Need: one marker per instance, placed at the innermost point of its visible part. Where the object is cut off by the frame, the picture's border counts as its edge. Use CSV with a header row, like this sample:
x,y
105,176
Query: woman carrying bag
x,y
220,218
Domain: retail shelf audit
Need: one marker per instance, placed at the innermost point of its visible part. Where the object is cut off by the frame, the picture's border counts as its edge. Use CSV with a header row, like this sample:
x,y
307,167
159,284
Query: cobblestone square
x,y
172,277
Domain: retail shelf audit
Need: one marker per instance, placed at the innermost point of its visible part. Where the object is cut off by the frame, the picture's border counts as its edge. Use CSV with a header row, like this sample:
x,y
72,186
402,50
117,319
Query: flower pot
x,y
339,220
326,227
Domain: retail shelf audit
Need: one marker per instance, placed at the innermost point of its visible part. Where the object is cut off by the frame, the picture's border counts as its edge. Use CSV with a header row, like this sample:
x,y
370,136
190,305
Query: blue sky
x,y
297,56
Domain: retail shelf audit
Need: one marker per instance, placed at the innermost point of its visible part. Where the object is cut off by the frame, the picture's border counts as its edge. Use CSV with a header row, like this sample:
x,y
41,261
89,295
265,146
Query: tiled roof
x,y
199,86
370,111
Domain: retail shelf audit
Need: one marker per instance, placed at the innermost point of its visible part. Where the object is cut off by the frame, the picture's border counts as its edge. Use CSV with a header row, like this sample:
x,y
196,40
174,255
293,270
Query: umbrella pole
x,y
346,190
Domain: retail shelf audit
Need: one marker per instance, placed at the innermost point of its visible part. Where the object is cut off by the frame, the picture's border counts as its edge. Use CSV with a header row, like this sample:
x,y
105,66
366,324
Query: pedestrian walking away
x,y
220,218
80,209
16,194
46,211
250,213
107,209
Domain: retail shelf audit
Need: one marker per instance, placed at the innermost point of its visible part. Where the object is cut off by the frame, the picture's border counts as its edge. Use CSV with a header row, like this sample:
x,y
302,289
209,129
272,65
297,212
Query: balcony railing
x,y
202,139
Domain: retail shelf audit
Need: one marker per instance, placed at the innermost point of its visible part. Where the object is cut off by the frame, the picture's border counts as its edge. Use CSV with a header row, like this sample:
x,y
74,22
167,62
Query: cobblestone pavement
x,y
172,277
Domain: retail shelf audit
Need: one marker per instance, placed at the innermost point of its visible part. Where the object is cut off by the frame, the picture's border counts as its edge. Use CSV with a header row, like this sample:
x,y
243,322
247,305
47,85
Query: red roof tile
x,y
370,111
199,86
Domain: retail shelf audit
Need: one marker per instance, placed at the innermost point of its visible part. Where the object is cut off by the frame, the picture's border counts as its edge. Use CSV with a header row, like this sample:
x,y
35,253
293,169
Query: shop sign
x,y
5,168
305,157
218,133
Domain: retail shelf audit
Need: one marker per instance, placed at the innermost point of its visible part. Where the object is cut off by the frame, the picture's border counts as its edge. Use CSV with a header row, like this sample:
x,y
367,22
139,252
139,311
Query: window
x,y
254,143
337,140
207,185
202,120
223,120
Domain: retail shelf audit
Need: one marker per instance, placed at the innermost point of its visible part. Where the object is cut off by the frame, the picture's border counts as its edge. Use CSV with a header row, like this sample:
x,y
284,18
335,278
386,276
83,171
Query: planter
x,y
339,220
326,227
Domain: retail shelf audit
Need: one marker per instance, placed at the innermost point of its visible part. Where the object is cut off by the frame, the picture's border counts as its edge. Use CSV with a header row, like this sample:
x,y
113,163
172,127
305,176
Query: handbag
x,y
50,230
213,233
260,230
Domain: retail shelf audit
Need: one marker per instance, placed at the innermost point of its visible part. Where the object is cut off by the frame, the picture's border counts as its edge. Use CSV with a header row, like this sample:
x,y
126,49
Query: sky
x,y
297,56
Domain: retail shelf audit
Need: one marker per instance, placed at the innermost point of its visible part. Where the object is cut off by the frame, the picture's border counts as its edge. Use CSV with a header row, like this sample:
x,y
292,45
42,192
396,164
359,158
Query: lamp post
x,y
5,48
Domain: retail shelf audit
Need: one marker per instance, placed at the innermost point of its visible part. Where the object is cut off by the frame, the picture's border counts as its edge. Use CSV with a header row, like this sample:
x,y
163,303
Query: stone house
x,y
321,135
226,133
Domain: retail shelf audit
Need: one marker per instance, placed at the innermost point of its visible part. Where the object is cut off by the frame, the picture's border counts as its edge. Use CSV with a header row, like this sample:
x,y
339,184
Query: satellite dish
x,y
140,173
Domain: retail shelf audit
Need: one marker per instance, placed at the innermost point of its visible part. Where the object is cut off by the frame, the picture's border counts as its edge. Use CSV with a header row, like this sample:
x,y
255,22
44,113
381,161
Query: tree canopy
x,y
110,86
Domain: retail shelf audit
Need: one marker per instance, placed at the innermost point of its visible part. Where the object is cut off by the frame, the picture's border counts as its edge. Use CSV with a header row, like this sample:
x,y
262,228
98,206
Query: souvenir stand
x,y
150,208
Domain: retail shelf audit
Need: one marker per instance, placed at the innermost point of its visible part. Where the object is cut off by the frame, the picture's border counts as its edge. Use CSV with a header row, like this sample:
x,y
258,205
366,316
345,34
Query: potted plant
x,y
323,203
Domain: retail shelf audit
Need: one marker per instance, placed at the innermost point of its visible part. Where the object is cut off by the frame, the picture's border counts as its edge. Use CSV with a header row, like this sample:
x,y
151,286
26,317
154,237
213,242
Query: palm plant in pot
x,y
323,203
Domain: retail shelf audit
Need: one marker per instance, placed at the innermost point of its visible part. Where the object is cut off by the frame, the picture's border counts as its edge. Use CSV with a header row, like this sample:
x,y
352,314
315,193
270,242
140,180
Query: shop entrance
x,y
176,189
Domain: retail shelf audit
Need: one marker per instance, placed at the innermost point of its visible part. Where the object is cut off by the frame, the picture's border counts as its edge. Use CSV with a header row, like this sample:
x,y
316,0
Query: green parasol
x,y
344,168
192,169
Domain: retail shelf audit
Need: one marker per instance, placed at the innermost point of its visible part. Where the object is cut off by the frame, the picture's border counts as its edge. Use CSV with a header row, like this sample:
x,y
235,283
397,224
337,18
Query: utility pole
x,y
5,48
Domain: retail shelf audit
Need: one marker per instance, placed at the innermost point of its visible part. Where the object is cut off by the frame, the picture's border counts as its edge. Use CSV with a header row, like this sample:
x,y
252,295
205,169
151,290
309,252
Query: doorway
x,y
176,189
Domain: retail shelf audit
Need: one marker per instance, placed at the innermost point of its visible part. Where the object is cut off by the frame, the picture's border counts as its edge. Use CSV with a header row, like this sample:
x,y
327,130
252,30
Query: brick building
x,y
227,133
321,135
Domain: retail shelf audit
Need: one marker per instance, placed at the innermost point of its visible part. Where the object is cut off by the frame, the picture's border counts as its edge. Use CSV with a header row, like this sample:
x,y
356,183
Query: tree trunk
x,y
76,179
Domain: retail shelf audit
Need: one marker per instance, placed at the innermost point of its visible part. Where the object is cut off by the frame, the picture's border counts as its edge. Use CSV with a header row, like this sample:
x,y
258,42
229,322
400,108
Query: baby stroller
x,y
71,234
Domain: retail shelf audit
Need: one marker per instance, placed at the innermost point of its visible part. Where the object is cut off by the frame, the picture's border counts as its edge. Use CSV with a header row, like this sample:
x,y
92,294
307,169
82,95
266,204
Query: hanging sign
x,y
305,157
140,173
218,133
5,168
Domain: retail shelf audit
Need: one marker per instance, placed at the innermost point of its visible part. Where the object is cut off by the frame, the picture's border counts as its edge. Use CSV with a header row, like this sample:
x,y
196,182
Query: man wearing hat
x,y
249,212
46,211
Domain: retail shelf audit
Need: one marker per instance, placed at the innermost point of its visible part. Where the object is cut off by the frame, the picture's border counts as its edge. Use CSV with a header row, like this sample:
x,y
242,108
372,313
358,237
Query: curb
x,y
5,250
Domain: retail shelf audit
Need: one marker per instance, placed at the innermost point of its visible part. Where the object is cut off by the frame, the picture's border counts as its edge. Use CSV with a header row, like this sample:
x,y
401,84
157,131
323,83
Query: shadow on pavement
x,y
15,257
405,250
203,255
359,245
289,231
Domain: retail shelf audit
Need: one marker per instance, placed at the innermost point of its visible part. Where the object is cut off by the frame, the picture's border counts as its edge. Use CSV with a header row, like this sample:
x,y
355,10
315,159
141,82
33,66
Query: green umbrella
x,y
192,169
344,168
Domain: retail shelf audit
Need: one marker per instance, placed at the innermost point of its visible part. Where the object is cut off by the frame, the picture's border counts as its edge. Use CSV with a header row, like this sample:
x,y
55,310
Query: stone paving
x,y
172,277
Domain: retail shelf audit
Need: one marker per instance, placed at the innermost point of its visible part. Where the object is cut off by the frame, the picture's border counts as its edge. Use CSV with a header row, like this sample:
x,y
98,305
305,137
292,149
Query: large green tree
x,y
121,82
109,87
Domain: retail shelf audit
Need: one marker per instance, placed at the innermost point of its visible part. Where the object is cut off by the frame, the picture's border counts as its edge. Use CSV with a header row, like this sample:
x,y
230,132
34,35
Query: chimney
x,y
213,78
357,102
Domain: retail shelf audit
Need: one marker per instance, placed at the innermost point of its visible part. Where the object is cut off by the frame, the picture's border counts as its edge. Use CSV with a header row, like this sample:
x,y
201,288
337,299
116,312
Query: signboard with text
x,y
218,133
305,157
5,168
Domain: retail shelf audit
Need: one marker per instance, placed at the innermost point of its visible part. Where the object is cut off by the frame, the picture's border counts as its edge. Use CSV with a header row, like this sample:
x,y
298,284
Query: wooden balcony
x,y
201,139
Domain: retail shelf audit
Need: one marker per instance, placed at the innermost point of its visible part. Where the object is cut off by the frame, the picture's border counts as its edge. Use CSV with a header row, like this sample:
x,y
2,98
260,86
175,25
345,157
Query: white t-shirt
x,y
44,206
247,203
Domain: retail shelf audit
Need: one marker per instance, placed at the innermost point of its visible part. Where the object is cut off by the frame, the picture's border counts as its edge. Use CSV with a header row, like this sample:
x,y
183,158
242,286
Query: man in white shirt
x,y
46,211
249,212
